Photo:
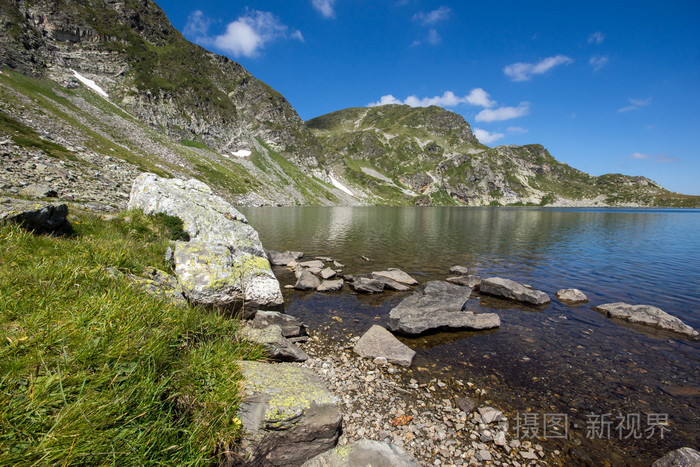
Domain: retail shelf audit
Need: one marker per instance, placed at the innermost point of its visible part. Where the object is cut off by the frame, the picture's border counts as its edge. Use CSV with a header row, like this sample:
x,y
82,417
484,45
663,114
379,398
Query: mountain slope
x,y
428,155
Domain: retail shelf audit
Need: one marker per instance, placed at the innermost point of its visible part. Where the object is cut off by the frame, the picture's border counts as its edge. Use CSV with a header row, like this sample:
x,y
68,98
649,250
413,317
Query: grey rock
x,y
366,285
683,457
364,453
389,284
471,281
378,342
647,315
466,404
36,216
38,191
397,275
290,326
307,281
330,286
571,296
283,258
511,290
327,273
314,263
276,346
288,414
459,270
438,305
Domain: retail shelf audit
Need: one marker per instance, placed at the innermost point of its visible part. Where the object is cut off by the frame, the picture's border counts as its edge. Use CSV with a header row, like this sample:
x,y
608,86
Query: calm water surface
x,y
558,359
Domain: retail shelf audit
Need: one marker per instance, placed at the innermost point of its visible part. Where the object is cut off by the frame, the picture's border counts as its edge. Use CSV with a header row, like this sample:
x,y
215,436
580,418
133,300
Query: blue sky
x,y
605,86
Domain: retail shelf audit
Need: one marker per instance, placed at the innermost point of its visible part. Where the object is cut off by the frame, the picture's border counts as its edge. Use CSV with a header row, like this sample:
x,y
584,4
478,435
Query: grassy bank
x,y
95,371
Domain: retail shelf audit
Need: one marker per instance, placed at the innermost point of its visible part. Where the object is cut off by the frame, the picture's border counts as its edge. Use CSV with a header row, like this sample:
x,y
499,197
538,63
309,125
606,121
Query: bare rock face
x,y
288,414
378,342
511,290
647,315
364,452
224,265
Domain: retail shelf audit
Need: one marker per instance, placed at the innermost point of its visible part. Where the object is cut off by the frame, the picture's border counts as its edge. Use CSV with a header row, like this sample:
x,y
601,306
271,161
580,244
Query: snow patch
x,y
242,153
91,84
339,185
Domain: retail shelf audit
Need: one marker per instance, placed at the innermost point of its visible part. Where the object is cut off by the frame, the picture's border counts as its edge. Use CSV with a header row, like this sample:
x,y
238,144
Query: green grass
x,y
195,144
95,371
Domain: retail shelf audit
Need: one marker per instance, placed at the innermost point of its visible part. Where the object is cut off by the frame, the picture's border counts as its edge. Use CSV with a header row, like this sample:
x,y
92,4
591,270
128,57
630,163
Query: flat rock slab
x,y
283,258
571,296
471,281
378,342
364,453
288,414
511,290
327,273
397,275
276,346
683,457
330,286
35,216
438,305
390,284
647,315
314,263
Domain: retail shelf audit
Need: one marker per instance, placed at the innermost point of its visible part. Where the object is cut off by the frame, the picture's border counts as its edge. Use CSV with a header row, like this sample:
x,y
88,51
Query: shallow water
x,y
559,359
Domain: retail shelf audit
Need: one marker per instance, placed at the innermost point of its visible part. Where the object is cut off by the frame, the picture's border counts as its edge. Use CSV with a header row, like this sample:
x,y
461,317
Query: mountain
x,y
428,155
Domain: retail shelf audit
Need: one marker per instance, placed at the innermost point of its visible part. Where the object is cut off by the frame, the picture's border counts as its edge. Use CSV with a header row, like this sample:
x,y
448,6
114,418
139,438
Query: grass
x,y
95,371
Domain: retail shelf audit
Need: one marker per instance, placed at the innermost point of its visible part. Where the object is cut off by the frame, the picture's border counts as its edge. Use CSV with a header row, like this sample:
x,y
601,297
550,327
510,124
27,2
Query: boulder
x,y
327,273
38,191
276,346
683,457
283,258
378,342
290,326
647,315
288,414
224,265
397,275
363,453
459,270
437,306
314,263
35,216
471,281
330,286
389,284
571,296
307,281
511,290
366,285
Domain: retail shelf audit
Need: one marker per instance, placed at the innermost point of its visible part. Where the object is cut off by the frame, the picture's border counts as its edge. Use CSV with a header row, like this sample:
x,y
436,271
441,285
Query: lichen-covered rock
x,y
224,265
683,457
571,296
647,315
36,216
276,346
511,290
288,414
364,453
378,342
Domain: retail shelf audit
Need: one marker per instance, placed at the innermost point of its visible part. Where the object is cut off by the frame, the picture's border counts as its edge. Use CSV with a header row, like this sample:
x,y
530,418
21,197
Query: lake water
x,y
560,359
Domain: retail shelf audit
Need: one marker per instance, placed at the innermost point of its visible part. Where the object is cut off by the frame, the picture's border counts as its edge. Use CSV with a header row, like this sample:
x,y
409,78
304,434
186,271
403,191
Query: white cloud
x,y
639,155
487,137
635,104
477,96
433,37
523,71
325,7
596,38
657,158
517,129
428,19
503,113
598,62
246,36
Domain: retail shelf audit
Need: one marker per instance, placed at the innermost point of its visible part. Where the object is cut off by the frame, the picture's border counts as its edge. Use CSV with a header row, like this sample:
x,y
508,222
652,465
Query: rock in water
x,y
36,216
571,296
283,258
288,414
648,315
224,264
459,270
364,452
471,281
378,342
511,290
307,281
366,285
397,275
436,306
330,286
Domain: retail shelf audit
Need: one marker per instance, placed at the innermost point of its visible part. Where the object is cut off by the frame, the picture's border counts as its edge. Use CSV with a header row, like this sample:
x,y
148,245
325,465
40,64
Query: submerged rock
x,y
283,258
436,306
683,457
288,414
364,452
378,342
511,290
571,296
36,216
647,315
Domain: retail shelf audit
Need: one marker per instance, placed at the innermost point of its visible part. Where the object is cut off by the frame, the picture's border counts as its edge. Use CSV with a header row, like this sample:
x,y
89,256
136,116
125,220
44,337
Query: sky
x,y
607,87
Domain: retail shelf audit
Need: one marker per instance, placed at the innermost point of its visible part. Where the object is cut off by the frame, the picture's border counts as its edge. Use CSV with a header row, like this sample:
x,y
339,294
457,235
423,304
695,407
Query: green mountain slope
x,y
415,155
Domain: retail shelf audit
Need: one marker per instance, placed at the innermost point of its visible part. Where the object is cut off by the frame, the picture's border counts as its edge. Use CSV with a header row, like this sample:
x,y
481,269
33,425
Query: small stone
x,y
571,296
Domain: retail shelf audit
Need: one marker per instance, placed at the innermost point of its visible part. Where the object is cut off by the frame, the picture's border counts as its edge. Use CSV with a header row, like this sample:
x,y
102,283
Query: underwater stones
x,y
283,258
288,414
378,342
647,315
364,452
571,296
511,290
397,275
36,216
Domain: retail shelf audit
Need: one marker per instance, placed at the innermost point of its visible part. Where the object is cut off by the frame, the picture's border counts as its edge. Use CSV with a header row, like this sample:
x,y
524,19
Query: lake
x,y
556,360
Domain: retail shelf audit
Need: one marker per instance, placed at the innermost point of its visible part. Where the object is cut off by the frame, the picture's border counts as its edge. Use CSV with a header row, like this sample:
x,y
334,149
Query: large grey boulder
x,y
36,216
307,281
683,457
276,346
283,258
224,265
397,275
511,290
437,306
647,315
378,342
288,414
364,453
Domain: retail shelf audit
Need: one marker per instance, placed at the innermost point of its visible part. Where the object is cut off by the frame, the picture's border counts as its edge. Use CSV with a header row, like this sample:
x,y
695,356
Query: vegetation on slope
x,y
94,370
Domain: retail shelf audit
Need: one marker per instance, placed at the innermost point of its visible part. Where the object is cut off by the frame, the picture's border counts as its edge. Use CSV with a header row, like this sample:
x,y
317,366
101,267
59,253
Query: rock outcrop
x,y
511,290
224,264
647,315
364,452
377,342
